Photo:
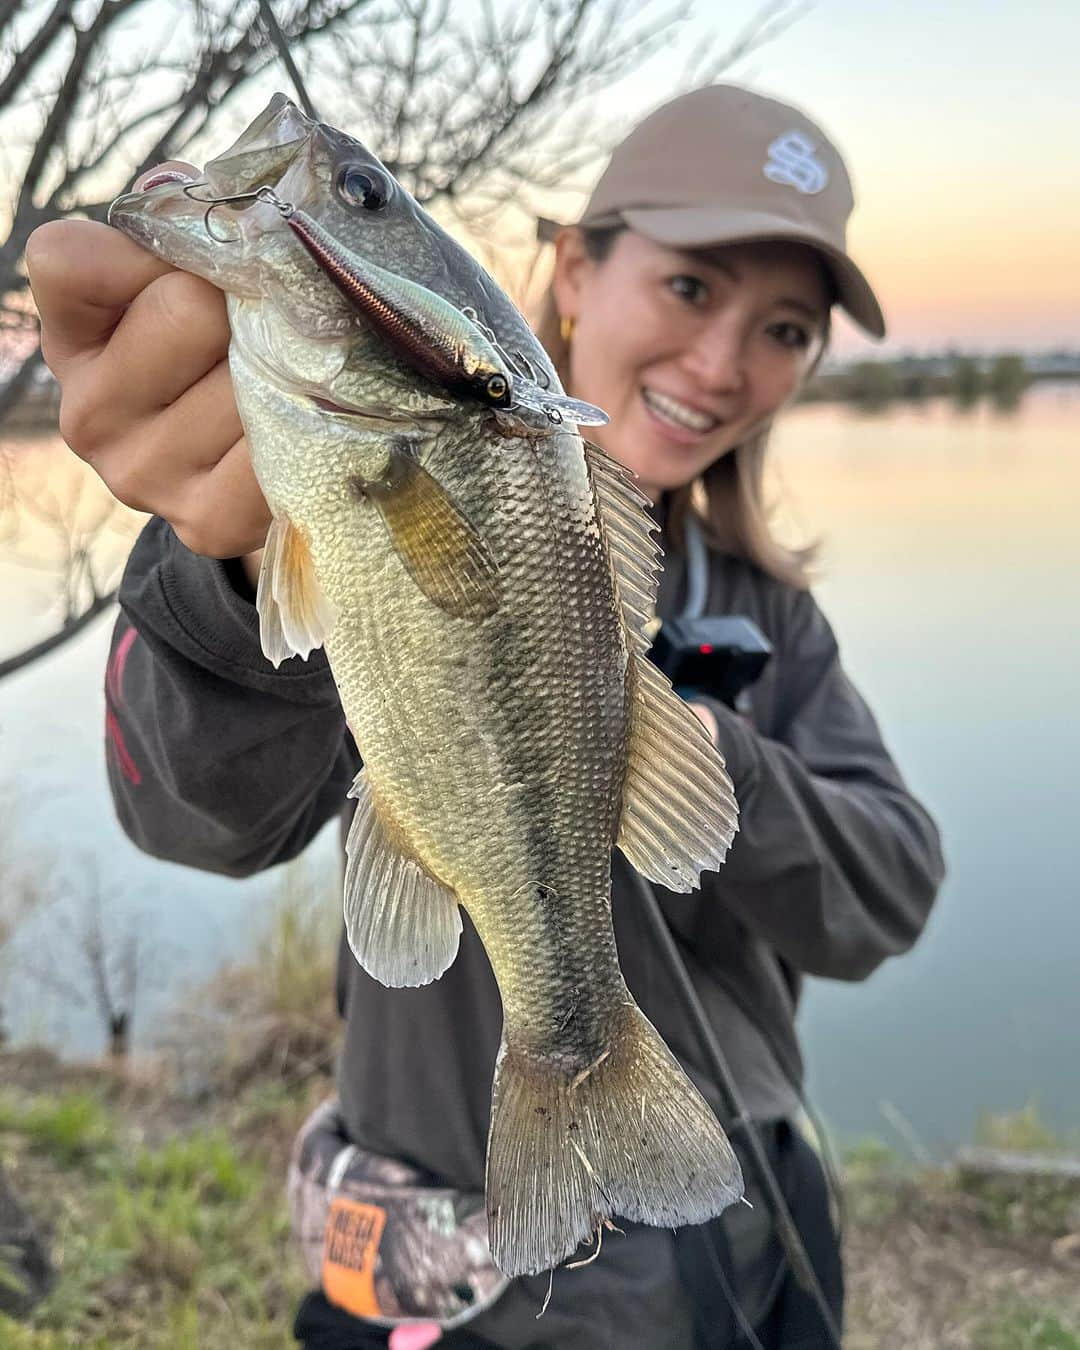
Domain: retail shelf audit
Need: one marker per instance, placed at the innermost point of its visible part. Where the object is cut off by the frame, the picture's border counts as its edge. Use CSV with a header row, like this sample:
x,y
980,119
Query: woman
x,y
691,303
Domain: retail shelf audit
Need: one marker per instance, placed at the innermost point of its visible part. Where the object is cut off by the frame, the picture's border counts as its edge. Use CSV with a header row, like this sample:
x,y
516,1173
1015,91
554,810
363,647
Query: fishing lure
x,y
450,346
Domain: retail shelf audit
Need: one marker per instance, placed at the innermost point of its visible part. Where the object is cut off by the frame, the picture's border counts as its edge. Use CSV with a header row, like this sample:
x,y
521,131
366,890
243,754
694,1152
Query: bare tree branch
x,y
31,654
31,54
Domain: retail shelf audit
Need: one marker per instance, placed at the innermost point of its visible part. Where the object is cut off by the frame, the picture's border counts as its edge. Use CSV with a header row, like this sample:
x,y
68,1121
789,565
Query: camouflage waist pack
x,y
383,1245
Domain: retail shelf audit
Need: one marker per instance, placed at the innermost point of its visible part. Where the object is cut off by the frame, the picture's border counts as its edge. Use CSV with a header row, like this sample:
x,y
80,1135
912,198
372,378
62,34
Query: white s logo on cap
x,y
791,162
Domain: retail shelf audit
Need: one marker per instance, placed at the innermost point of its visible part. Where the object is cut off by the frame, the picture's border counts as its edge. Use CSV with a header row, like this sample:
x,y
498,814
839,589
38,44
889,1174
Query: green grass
x,y
204,1165
869,1157
71,1130
185,1244
1023,1131
1024,1327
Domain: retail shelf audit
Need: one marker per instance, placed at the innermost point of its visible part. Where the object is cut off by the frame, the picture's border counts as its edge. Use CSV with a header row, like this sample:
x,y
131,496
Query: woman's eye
x,y
791,335
689,287
363,187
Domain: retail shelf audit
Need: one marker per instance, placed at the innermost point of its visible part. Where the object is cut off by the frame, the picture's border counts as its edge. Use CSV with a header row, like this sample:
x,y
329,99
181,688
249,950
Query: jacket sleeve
x,y
214,758
835,864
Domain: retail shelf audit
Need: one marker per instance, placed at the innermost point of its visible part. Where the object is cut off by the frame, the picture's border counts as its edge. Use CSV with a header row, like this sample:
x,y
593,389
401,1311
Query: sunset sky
x,y
960,123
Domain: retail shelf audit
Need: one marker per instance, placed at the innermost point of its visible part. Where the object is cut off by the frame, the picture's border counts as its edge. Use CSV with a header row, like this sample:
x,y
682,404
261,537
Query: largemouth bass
x,y
481,579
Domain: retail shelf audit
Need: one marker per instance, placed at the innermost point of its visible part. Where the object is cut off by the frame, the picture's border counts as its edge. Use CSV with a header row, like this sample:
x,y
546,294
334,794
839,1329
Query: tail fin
x,y
630,1135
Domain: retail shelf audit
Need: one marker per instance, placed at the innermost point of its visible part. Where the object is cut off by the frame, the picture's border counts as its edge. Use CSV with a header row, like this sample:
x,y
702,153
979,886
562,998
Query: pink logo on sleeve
x,y
114,699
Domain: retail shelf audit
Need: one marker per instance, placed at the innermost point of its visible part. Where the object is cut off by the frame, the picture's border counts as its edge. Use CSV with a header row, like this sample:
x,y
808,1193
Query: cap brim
x,y
705,226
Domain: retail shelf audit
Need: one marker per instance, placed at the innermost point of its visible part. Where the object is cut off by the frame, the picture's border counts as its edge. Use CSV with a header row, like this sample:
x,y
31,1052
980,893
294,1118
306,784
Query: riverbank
x,y
164,1214
862,384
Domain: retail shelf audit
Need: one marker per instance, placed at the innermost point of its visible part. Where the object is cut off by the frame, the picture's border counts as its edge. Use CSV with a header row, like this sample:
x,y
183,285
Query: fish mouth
x,y
165,176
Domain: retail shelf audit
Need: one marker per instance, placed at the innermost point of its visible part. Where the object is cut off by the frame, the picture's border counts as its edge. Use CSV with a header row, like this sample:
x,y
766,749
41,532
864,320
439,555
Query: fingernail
x,y
415,1336
164,176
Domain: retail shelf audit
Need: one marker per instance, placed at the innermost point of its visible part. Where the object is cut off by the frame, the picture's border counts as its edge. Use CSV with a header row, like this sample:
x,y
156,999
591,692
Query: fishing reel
x,y
720,657
703,653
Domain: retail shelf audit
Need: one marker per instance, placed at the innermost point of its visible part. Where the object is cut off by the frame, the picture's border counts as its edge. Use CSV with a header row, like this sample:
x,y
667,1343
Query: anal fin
x,y
403,925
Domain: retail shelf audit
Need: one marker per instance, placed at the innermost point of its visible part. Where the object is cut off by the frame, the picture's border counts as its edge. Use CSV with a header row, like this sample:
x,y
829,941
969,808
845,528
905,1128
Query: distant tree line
x,y
965,379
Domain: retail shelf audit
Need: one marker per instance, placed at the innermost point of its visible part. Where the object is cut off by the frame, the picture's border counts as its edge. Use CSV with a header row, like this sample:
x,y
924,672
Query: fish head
x,y
224,227
231,226
246,247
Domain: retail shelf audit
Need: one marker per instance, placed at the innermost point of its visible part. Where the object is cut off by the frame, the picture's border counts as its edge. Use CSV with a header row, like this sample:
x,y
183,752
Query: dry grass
x,y
160,1184
932,1267
274,1017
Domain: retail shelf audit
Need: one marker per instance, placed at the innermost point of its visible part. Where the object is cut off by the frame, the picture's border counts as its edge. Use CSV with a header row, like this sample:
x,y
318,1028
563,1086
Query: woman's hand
x,y
139,349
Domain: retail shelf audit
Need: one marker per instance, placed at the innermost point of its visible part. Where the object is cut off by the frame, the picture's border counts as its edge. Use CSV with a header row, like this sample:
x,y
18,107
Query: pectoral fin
x,y
628,531
403,925
294,615
443,552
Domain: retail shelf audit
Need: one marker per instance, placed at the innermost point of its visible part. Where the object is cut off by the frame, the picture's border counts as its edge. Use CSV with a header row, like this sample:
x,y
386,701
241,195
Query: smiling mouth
x,y
678,414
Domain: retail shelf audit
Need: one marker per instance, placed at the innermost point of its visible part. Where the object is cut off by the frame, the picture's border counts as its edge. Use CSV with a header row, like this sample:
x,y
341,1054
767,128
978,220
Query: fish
x,y
482,579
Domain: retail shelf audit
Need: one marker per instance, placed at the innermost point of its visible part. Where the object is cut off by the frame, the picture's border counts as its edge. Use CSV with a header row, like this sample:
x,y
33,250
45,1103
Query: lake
x,y
948,569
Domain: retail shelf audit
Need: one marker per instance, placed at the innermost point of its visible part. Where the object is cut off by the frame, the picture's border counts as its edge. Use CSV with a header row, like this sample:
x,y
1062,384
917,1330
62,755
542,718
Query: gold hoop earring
x,y
566,330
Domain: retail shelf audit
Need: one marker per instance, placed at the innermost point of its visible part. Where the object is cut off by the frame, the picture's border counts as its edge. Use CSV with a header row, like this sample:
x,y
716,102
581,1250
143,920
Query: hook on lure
x,y
263,193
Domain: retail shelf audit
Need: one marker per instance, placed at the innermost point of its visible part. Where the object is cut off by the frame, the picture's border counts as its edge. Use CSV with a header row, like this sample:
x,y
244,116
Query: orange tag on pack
x,y
353,1232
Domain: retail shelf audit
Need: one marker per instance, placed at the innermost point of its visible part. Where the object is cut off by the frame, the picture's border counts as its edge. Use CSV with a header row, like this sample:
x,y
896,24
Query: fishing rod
x,y
277,37
786,1229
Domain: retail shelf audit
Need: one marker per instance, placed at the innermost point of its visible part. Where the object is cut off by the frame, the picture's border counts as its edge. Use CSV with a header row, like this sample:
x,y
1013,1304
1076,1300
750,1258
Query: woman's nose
x,y
717,358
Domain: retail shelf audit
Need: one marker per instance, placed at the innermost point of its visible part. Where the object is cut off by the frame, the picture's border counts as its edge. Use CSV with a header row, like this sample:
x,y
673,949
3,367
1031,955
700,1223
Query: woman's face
x,y
687,352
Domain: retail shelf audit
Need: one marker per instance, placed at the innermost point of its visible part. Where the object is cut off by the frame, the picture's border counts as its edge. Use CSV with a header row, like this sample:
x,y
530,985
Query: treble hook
x,y
263,193
539,377
475,318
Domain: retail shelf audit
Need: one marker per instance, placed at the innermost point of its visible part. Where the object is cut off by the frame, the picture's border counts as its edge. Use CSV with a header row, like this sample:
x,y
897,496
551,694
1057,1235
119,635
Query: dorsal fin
x,y
678,810
635,554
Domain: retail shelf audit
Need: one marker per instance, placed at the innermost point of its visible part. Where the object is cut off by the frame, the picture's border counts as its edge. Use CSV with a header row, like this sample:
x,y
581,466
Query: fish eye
x,y
497,388
363,187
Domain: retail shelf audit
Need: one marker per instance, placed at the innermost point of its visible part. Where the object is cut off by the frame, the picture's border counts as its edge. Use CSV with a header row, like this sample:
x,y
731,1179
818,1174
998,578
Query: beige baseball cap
x,y
723,165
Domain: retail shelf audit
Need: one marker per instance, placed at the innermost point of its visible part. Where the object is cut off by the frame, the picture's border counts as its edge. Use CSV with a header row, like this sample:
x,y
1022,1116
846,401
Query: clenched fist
x,y
139,350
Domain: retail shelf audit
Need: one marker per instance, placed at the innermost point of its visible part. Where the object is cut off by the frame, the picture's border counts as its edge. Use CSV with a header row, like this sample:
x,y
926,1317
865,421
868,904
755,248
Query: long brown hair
x,y
729,497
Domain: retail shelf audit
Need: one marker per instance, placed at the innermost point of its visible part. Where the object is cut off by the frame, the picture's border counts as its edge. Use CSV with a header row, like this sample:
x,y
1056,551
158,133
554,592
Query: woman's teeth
x,y
678,413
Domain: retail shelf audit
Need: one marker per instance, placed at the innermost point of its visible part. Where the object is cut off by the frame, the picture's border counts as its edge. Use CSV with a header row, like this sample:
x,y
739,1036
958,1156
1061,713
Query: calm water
x,y
950,561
